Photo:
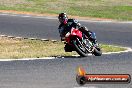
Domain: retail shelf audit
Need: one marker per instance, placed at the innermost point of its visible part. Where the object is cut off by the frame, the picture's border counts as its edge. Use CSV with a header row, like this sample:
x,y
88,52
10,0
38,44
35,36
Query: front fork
x,y
89,46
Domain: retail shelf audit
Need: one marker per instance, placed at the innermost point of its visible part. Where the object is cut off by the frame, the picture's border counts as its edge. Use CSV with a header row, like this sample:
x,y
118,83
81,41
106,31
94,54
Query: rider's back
x,y
72,23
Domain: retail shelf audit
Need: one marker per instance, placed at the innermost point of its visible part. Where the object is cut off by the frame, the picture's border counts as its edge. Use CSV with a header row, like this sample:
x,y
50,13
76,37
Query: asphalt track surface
x,y
61,72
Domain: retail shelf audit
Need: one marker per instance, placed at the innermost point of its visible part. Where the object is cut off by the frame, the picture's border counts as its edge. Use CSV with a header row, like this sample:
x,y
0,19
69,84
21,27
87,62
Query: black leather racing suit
x,y
64,28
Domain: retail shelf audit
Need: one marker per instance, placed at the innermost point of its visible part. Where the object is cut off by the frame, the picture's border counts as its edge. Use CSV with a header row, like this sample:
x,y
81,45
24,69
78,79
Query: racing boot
x,y
62,38
68,48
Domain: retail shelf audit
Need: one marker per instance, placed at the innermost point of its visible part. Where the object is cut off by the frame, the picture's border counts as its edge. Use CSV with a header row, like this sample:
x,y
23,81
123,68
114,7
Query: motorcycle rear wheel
x,y
97,52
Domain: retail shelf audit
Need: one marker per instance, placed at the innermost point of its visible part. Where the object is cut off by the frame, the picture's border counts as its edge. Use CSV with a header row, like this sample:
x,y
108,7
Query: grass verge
x,y
112,9
14,48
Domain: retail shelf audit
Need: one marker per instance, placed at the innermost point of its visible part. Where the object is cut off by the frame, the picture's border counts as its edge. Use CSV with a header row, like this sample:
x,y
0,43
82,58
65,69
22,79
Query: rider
x,y
66,25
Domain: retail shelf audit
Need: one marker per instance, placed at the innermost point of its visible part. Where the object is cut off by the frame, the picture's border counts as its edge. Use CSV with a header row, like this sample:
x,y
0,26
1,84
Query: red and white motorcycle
x,y
75,40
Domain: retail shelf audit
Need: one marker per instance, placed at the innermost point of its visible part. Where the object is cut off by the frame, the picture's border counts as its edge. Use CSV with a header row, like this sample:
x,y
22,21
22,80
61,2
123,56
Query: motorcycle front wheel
x,y
80,48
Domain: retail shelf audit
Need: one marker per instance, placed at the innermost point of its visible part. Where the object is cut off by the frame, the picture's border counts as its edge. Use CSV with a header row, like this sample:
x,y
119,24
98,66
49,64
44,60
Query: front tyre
x,y
80,49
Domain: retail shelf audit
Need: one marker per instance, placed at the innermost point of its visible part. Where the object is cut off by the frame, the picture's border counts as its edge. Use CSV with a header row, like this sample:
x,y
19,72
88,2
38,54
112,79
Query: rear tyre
x,y
97,52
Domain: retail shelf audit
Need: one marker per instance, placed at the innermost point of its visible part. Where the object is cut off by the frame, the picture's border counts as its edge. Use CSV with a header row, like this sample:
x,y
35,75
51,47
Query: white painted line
x,y
18,37
25,59
3,35
32,38
126,22
10,36
54,40
101,21
53,17
39,17
13,15
86,87
26,16
4,14
95,21
79,55
45,17
44,39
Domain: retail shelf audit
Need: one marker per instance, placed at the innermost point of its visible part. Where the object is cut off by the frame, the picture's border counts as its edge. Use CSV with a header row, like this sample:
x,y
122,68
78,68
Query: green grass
x,y
111,48
113,9
13,48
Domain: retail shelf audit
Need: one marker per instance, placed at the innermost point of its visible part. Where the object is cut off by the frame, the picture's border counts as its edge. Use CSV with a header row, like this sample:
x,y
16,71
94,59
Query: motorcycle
x,y
77,41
